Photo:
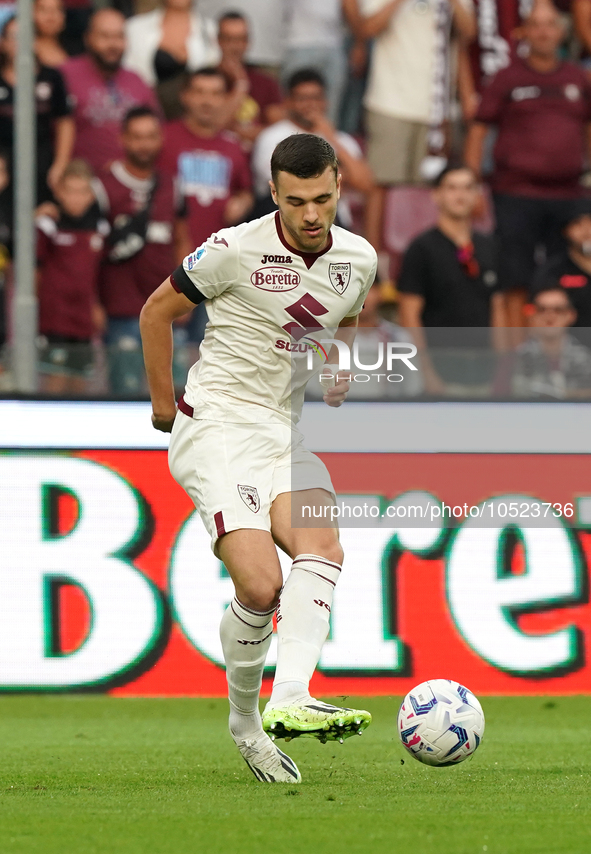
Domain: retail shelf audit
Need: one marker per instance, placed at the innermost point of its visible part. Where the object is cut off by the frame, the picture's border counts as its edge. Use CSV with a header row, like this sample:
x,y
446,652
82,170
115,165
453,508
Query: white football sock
x,y
303,617
246,637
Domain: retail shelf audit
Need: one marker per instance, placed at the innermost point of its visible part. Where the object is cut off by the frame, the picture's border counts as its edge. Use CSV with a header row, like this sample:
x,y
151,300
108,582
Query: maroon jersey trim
x,y
218,518
185,408
309,257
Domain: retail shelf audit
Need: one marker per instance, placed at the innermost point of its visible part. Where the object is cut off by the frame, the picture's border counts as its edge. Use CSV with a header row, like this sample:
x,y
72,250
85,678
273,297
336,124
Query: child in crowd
x,y
69,253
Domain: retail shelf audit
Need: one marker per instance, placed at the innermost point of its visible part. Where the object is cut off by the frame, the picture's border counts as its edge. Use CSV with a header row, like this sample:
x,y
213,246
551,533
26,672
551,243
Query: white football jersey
x,y
268,305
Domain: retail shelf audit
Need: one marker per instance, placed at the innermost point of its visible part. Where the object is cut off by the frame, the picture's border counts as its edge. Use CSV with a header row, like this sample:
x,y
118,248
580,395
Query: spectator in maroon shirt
x,y
102,91
69,252
148,239
209,163
542,109
255,98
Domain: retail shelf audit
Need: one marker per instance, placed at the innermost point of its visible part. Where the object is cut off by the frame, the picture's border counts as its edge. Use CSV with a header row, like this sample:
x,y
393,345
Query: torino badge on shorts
x,y
250,496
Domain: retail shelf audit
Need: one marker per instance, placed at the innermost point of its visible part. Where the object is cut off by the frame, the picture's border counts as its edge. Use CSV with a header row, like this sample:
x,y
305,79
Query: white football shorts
x,y
233,472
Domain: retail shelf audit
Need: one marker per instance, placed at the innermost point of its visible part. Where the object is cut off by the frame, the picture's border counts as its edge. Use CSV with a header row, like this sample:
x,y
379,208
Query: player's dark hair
x,y
232,16
551,289
305,75
452,166
304,155
206,71
139,112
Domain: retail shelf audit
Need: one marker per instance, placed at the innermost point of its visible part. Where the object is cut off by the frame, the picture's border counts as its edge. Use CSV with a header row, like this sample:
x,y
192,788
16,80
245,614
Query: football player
x,y
235,447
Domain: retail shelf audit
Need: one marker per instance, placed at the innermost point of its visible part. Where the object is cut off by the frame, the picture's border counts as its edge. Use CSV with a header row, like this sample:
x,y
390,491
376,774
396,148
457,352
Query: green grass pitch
x,y
99,775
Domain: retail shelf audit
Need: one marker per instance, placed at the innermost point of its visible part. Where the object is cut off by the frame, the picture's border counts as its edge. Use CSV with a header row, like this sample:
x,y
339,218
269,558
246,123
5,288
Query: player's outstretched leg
x,y
302,627
246,636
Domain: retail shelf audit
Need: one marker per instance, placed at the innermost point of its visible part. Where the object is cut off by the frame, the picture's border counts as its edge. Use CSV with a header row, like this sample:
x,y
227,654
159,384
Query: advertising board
x,y
108,582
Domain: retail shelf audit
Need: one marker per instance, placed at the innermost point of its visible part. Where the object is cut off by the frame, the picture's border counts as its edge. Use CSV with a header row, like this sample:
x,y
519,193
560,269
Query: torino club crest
x,y
340,276
250,497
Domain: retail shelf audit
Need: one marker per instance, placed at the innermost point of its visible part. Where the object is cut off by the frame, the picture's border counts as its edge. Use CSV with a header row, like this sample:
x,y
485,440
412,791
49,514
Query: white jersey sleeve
x,y
210,269
356,309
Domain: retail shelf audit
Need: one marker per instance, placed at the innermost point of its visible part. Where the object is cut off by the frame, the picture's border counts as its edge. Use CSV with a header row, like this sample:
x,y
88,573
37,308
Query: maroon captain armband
x,y
183,285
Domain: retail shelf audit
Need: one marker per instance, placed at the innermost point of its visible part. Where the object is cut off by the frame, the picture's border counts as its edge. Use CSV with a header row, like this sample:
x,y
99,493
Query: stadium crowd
x,y
463,132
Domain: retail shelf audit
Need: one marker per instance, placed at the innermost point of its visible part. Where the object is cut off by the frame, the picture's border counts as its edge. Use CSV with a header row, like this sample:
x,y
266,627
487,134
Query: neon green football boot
x,y
315,719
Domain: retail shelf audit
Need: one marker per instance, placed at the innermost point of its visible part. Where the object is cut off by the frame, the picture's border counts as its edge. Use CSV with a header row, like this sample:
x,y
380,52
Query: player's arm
x,y
163,307
348,329
336,394
204,274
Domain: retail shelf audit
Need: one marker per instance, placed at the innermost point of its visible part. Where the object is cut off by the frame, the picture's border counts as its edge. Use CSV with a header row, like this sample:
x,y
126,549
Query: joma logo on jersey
x,y
276,259
275,279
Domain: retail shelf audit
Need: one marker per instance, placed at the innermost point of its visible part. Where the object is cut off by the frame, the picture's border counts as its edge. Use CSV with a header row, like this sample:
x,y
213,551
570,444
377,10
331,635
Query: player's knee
x,y
323,544
264,597
330,549
334,552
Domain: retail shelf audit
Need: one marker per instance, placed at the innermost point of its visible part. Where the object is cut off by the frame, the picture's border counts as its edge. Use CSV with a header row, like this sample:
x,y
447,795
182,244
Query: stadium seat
x,y
408,211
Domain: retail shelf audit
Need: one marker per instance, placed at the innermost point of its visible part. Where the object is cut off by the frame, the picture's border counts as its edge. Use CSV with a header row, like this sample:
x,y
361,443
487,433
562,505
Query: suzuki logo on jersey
x,y
275,279
250,497
340,276
293,346
276,259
